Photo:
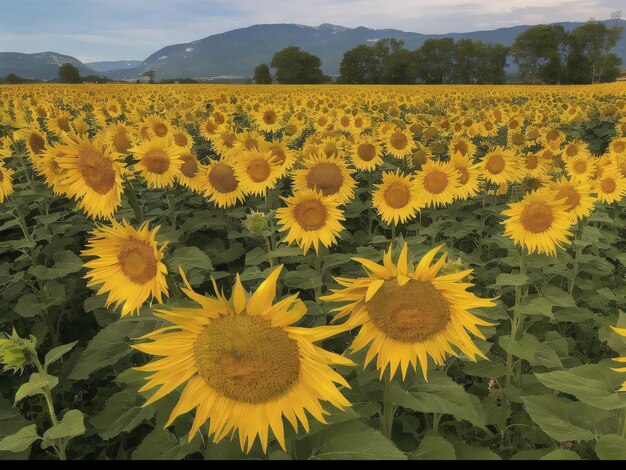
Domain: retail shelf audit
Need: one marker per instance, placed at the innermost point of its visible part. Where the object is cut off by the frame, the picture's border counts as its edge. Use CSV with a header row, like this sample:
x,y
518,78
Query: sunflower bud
x,y
257,224
12,353
453,267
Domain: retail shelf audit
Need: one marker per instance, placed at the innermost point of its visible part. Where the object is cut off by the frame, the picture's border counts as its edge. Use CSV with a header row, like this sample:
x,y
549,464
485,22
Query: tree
x,y
539,54
435,61
293,65
69,74
590,59
359,66
150,74
262,75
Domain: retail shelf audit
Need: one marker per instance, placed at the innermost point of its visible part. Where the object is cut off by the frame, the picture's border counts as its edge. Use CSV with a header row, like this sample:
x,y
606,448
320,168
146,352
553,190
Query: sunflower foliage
x,y
247,272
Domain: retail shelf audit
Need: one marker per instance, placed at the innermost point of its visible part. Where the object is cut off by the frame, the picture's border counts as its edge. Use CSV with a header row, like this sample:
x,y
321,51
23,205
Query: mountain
x,y
237,52
234,54
109,65
42,66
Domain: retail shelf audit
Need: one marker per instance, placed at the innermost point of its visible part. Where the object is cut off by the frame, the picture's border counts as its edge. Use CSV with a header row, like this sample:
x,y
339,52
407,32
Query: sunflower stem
x,y
516,321
623,429
393,234
171,205
133,202
318,270
577,255
388,408
268,245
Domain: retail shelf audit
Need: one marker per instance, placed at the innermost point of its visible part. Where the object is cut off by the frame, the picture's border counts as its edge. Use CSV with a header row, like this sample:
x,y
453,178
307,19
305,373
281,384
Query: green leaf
x,y
539,306
439,395
122,413
21,440
505,279
286,251
65,262
189,257
354,440
58,352
29,306
594,384
611,447
71,425
163,445
35,386
302,279
563,420
485,369
531,349
561,454
111,344
471,452
434,447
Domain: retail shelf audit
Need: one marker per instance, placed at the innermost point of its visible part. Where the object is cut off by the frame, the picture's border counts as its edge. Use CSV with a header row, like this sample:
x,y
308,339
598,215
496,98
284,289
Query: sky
x,y
95,30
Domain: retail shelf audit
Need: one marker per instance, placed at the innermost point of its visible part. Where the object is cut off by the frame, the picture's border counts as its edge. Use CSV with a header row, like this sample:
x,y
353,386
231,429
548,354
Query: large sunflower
x,y
501,166
330,175
244,366
397,198
91,173
159,162
398,143
577,197
256,170
128,265
611,185
310,218
221,184
469,176
192,173
438,182
365,154
539,222
409,314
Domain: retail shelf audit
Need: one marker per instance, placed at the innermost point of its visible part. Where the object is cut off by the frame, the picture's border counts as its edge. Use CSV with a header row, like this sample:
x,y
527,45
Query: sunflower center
x,y
269,117
325,177
222,178
358,122
552,135
63,124
436,182
398,140
310,214
366,152
533,134
259,170
244,358
460,147
518,139
36,143
532,162
571,150
345,121
537,217
121,142
279,155
160,129
397,195
156,161
495,164
210,127
410,313
189,168
137,260
291,129
464,178
571,196
488,126
96,170
180,139
580,167
608,185
619,147
228,139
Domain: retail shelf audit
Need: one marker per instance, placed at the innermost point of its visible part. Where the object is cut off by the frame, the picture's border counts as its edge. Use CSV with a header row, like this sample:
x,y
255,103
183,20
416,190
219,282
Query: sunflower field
x,y
312,272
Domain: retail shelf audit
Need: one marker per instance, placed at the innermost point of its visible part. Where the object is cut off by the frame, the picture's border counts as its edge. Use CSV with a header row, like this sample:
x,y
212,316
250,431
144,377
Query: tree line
x,y
543,54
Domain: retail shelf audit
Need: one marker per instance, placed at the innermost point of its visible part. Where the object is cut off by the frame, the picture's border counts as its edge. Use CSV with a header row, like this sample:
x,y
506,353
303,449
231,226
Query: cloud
x,y
134,29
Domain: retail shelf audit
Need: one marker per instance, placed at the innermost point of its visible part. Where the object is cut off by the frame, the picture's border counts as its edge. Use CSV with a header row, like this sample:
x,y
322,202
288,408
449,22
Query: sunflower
x,y
181,139
268,119
128,265
462,146
577,196
398,143
408,314
6,185
244,366
119,136
617,147
159,162
310,218
283,156
224,142
191,173
580,167
438,182
469,176
48,167
221,184
157,126
611,186
539,222
365,154
501,166
397,198
256,171
35,140
209,129
330,175
90,172
59,123
576,149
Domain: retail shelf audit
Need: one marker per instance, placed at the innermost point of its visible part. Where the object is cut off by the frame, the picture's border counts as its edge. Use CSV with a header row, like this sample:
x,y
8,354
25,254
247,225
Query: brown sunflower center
x,y
160,129
280,157
96,170
189,168
228,139
436,182
571,196
136,259
259,170
488,126
269,117
291,129
460,147
210,127
180,139
398,140
358,122
222,178
325,177
533,134
619,146
63,124
156,161
322,121
121,142
410,313
580,167
397,195
495,164
345,121
464,178
531,162
36,143
552,135
571,150
518,139
244,358
537,217
366,152
311,214
608,185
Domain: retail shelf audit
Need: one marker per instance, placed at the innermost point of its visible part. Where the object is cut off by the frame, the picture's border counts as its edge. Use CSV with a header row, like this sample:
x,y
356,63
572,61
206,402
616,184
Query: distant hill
x,y
236,53
109,65
42,66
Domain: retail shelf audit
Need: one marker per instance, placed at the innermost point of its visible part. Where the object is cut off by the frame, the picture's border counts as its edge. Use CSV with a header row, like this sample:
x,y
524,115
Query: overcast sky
x,y
93,30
